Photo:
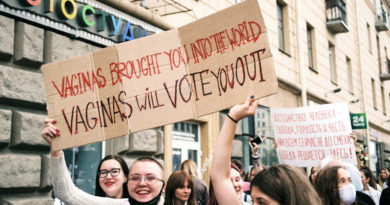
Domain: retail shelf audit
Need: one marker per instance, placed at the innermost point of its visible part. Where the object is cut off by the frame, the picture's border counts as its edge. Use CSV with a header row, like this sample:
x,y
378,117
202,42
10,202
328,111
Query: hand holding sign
x,y
49,132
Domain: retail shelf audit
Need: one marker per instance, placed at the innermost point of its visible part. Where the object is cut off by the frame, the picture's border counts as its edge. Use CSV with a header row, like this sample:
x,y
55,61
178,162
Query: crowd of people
x,y
332,182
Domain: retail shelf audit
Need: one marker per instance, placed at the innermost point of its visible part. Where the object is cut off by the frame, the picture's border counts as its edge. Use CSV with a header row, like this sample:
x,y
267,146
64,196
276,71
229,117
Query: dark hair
x,y
388,177
98,190
212,198
326,185
368,174
286,185
238,164
177,180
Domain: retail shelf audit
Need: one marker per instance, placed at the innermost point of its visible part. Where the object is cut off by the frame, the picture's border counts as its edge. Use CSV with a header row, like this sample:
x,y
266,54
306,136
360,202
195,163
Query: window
x,y
379,54
374,156
310,46
282,27
387,63
350,75
185,144
383,100
332,64
374,103
369,38
82,163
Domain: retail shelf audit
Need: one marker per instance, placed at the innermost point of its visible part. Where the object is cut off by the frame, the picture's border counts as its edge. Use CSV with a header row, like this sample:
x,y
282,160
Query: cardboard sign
x,y
203,67
306,135
358,120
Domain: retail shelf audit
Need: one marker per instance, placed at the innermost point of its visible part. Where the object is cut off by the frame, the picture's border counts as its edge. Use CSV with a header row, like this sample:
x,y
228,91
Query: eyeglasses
x,y
148,179
114,172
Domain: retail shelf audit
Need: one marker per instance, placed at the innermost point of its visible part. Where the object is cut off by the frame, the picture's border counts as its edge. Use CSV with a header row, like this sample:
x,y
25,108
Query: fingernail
x,y
252,96
58,134
54,121
57,130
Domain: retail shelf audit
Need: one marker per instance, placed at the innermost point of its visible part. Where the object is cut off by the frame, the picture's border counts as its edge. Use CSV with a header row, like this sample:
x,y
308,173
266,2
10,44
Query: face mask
x,y
348,194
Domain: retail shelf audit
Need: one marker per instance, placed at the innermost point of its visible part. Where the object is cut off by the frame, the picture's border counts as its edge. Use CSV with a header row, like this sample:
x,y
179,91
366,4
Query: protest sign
x,y
203,67
306,135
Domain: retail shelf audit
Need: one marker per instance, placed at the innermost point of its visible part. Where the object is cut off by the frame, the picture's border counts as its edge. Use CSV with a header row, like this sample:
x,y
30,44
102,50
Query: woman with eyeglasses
x,y
111,178
180,189
144,187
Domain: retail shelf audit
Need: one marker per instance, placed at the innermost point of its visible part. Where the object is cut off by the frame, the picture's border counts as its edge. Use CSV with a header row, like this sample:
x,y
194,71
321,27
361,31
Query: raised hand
x,y
49,132
243,110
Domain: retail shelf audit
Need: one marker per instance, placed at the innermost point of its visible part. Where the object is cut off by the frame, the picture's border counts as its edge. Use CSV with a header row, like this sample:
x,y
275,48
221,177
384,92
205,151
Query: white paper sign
x,y
306,135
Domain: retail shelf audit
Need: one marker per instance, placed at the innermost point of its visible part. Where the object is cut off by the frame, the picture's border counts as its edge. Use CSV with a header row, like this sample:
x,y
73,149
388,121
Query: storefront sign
x,y
86,19
358,120
203,67
306,135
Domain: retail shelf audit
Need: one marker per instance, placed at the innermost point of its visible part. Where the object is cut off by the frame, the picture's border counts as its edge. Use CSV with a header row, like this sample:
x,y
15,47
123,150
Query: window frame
x,y
311,47
373,91
332,63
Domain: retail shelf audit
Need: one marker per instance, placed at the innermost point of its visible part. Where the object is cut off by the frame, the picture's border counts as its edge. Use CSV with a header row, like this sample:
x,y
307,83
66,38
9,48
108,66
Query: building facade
x,y
325,51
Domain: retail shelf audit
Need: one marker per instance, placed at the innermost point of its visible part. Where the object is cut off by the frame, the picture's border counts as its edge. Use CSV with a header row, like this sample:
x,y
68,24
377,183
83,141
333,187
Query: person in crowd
x,y
354,172
367,189
256,156
248,176
255,168
372,181
223,190
201,190
145,179
225,181
313,174
238,184
385,195
334,186
111,178
383,176
283,184
180,189
240,167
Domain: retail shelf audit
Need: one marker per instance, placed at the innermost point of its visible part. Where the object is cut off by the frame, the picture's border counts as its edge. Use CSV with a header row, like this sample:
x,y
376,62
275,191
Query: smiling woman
x,y
111,178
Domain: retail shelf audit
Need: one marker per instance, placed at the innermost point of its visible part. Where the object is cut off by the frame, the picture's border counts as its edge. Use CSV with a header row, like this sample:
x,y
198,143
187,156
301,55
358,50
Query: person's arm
x,y
63,186
220,168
